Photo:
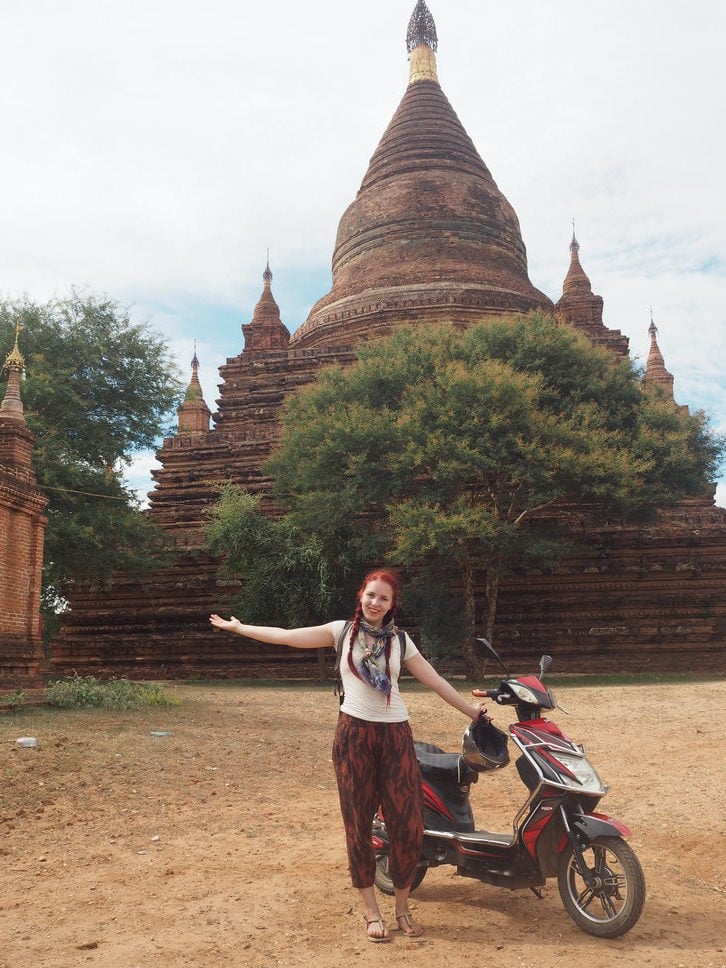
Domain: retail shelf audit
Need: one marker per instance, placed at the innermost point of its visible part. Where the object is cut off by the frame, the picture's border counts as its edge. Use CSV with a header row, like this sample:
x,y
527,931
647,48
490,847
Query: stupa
x,y
429,236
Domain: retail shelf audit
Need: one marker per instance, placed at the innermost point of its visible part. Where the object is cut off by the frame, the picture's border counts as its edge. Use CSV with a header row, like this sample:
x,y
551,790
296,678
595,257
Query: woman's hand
x,y
479,713
227,626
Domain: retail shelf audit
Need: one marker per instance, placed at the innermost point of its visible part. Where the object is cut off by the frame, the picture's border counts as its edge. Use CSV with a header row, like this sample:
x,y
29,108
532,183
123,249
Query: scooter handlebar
x,y
501,697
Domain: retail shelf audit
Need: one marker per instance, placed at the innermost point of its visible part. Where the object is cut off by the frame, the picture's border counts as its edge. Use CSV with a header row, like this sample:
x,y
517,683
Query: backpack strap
x,y
338,681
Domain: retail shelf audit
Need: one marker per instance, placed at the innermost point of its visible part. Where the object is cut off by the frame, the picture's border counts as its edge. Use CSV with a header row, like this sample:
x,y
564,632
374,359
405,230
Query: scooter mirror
x,y
544,663
492,652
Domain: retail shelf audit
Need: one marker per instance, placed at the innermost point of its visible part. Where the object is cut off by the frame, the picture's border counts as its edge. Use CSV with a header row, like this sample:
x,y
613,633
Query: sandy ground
x,y
221,843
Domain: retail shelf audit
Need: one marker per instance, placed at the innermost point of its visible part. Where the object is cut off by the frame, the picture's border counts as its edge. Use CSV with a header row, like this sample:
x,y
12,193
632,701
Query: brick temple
x,y
429,237
22,533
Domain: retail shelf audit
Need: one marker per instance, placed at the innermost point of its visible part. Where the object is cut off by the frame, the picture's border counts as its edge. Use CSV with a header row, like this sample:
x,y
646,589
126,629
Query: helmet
x,y
485,746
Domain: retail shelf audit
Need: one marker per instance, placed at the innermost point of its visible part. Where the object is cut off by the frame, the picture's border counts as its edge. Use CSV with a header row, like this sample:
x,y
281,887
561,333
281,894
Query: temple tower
x,y
429,236
266,331
22,531
193,413
580,308
656,377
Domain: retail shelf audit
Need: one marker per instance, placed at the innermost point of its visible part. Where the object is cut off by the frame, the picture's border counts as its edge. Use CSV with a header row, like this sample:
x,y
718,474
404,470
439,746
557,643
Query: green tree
x,y
449,452
98,388
286,578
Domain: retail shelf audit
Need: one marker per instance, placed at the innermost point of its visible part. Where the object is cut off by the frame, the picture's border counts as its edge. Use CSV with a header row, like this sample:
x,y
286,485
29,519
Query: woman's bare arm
x,y
314,637
428,676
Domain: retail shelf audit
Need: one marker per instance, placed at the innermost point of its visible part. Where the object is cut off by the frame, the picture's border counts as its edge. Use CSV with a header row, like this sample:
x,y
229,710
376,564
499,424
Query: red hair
x,y
390,578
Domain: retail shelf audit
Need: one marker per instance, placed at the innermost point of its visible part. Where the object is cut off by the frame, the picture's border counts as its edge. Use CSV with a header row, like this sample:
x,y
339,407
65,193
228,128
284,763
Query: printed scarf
x,y
368,668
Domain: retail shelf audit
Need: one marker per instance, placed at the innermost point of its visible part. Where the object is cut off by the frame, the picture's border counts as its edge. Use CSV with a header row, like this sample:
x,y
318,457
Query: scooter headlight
x,y
523,693
587,775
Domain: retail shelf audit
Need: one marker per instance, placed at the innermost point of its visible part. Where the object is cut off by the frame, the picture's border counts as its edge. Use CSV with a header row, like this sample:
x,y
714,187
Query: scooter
x,y
557,832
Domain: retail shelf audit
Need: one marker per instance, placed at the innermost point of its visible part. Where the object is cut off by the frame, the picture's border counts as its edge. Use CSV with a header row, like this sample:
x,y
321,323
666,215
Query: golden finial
x,y
421,28
14,359
421,43
11,407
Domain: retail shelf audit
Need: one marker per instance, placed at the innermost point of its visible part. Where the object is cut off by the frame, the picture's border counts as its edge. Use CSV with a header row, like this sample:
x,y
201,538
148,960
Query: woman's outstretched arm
x,y
428,676
315,637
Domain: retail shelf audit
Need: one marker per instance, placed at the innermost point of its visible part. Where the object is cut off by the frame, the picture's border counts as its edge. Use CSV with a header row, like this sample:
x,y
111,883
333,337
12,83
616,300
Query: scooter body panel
x,y
594,825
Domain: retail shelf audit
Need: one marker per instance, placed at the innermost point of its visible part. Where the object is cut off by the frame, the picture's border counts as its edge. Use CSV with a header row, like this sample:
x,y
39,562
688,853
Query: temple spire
x,y
576,280
656,375
195,387
581,308
16,438
421,44
193,412
574,244
429,236
266,331
655,357
12,404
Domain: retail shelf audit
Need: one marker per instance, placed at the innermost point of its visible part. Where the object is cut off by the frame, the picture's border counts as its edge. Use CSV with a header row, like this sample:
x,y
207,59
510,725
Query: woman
x,y
373,753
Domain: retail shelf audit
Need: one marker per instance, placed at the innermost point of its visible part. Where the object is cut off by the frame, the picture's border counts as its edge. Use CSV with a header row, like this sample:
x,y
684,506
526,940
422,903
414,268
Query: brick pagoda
x,y
22,531
428,237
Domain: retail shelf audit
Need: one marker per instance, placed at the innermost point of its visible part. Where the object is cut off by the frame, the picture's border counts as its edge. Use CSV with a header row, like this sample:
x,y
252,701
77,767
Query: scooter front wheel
x,y
383,878
610,902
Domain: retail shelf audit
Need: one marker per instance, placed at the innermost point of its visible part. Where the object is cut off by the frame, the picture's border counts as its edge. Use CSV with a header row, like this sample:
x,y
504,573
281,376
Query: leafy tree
x,y
97,388
286,577
447,452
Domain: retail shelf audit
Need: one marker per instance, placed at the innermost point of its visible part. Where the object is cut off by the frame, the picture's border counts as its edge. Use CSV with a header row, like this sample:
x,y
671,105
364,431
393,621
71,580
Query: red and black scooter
x,y
556,833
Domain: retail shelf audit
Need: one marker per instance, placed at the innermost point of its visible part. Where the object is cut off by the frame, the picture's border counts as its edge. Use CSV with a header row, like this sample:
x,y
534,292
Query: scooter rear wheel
x,y
383,878
612,904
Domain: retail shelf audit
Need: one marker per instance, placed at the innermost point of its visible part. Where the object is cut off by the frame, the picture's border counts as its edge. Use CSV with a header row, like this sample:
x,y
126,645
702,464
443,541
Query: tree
x,y
286,577
446,452
97,388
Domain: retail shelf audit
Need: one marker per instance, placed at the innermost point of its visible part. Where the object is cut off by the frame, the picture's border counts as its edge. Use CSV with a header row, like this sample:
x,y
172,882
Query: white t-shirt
x,y
362,700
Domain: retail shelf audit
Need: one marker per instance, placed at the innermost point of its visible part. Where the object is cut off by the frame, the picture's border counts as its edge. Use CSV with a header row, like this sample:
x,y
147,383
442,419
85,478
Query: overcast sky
x,y
153,150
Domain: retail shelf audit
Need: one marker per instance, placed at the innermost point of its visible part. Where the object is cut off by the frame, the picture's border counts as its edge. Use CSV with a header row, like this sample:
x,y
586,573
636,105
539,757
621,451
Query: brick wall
x,y
22,531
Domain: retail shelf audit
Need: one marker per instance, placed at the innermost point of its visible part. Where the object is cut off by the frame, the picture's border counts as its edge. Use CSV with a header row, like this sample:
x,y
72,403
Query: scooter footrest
x,y
486,837
473,838
515,882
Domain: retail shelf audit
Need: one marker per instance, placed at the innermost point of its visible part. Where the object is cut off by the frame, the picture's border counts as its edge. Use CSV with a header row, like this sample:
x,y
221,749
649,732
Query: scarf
x,y
368,668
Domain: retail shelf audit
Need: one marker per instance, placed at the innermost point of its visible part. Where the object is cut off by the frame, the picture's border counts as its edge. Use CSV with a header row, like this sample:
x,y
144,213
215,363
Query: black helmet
x,y
485,746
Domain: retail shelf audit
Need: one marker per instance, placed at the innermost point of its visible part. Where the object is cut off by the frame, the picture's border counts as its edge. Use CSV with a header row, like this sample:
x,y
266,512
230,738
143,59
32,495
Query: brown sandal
x,y
408,927
377,938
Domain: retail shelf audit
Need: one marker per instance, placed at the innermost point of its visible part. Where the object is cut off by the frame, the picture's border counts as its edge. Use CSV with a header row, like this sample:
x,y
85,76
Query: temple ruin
x,y
429,237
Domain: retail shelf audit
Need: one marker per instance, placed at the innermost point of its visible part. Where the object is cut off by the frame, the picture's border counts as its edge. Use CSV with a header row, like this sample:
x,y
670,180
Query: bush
x,y
78,691
13,699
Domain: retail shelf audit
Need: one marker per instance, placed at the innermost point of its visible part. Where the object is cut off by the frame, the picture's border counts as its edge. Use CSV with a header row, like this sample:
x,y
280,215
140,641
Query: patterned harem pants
x,y
375,763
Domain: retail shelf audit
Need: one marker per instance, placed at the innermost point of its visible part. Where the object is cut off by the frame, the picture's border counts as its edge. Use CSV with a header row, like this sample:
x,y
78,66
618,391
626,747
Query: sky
x,y
155,150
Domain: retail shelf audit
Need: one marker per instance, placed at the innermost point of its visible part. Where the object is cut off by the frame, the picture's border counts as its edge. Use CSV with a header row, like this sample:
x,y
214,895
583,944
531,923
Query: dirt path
x,y
221,844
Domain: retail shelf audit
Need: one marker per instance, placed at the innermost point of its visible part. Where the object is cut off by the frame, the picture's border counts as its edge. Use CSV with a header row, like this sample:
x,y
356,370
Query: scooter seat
x,y
438,765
